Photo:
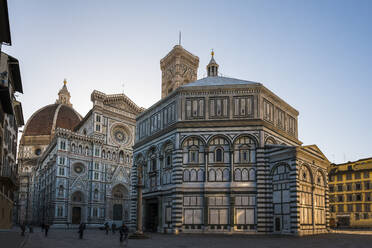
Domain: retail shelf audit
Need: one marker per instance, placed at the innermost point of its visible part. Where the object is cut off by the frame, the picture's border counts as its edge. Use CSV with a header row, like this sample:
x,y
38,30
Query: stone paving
x,y
11,239
59,238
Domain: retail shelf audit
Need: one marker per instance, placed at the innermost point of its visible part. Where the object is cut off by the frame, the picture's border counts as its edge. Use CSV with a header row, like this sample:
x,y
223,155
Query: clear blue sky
x,y
316,55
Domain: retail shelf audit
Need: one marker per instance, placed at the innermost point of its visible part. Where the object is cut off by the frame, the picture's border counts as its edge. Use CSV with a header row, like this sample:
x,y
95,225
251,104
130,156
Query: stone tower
x,y
178,67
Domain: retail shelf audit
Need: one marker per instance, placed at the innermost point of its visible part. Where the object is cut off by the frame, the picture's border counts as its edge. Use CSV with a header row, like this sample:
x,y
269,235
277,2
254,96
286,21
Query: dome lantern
x,y
212,67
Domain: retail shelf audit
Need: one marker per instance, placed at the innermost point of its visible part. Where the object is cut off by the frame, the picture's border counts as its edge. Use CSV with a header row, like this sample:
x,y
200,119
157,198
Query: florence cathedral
x,y
213,155
75,169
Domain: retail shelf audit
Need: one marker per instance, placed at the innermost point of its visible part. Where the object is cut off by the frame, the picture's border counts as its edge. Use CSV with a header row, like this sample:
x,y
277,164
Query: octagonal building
x,y
222,155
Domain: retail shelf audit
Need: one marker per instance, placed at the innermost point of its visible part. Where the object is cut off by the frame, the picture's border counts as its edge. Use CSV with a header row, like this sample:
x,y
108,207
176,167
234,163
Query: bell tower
x,y
178,67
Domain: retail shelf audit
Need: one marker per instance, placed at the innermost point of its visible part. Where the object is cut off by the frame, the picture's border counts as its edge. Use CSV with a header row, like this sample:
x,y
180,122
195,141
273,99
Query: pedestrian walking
x,y
124,231
46,228
113,227
81,230
107,228
23,229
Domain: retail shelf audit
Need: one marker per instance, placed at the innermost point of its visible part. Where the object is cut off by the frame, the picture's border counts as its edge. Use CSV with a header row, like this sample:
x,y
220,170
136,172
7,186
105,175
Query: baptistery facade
x,y
222,155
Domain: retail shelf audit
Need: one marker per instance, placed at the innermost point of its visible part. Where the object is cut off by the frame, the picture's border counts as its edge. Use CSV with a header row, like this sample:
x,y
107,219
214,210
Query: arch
x,y
167,145
80,149
245,175
193,176
78,197
278,165
238,175
211,139
320,178
306,174
211,175
218,154
226,175
186,175
119,191
250,136
121,156
219,175
139,158
95,194
200,175
182,142
270,141
73,147
61,191
153,150
252,174
103,154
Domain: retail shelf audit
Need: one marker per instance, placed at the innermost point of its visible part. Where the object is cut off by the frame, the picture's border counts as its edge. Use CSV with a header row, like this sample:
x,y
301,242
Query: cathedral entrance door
x,y
278,226
76,215
118,212
152,216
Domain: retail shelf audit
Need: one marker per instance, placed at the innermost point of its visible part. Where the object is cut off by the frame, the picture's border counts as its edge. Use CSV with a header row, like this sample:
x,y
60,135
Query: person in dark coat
x,y
81,230
46,227
124,231
113,227
23,229
107,228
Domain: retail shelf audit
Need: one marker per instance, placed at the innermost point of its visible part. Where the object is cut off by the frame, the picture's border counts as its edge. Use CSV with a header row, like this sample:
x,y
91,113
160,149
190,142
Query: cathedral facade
x,y
222,155
81,172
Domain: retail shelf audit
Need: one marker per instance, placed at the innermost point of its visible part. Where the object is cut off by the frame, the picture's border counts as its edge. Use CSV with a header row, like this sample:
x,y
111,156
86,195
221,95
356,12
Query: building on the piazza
x,y
11,118
350,192
222,154
79,166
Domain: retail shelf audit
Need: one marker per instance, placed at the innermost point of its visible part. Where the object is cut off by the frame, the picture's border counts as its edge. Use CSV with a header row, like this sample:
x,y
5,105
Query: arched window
x,y
108,155
218,154
226,175
153,164
193,176
238,175
212,175
121,156
73,147
80,149
245,175
60,191
200,175
168,160
186,176
193,154
87,151
96,194
113,156
252,175
218,175
103,154
127,158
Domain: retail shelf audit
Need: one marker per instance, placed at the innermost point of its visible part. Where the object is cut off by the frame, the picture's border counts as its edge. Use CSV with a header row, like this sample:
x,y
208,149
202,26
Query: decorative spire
x,y
212,67
64,95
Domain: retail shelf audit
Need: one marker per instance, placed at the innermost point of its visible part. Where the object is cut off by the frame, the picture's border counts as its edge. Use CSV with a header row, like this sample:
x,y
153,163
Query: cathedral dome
x,y
47,119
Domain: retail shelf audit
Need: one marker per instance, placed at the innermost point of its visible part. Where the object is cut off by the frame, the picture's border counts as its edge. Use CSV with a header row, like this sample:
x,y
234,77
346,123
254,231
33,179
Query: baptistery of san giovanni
x,y
222,154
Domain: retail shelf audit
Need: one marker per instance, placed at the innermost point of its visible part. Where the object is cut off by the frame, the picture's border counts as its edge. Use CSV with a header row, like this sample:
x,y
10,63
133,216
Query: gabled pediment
x,y
314,150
